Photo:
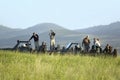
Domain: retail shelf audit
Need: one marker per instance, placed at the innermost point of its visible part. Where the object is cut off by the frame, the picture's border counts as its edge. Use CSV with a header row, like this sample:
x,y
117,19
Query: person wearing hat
x,y
36,40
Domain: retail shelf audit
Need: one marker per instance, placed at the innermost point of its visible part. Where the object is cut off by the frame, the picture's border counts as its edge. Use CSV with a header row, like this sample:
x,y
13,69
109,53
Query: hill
x,y
4,29
39,28
62,35
107,33
112,29
43,27
6,32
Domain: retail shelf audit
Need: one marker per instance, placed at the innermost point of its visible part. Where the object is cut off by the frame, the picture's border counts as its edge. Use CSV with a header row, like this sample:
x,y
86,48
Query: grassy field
x,y
26,66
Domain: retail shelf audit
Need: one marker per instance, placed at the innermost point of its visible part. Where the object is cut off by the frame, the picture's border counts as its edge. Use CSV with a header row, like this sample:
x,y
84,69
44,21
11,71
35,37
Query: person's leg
x,y
36,45
53,42
84,48
50,44
87,48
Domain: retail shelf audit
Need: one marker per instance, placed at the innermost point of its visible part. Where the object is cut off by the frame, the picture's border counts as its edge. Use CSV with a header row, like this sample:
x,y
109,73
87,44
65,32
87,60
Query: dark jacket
x,y
36,37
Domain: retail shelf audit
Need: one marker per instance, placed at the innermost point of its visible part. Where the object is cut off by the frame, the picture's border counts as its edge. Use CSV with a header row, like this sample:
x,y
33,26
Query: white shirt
x,y
97,43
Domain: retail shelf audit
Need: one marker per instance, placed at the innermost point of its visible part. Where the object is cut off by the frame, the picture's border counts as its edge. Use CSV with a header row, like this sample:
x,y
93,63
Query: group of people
x,y
36,41
96,47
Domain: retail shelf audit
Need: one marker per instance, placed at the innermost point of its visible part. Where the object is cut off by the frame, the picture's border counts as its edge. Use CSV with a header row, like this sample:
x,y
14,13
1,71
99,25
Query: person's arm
x,y
30,38
89,41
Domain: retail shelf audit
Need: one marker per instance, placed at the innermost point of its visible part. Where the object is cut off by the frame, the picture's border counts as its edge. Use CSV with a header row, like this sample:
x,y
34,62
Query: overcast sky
x,y
71,14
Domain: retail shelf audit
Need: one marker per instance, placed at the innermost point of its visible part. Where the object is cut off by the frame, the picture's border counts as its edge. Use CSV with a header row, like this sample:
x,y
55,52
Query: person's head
x,y
97,39
94,39
34,33
87,36
107,45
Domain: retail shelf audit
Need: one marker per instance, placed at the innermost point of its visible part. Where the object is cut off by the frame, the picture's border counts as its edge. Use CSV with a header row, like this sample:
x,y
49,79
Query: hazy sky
x,y
71,14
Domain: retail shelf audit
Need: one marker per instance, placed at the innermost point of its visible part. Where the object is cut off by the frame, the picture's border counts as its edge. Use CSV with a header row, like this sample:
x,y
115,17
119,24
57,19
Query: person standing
x,y
36,40
52,40
86,44
98,46
94,44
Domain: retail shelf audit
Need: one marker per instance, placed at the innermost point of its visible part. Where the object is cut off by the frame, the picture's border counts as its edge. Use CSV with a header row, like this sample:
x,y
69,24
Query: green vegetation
x,y
26,66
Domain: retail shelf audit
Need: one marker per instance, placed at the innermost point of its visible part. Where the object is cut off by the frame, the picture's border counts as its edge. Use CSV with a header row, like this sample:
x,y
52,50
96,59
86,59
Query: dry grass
x,y
25,66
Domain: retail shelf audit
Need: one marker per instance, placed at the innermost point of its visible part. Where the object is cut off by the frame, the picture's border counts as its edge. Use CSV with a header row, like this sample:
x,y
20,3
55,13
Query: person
x,y
77,48
98,45
108,49
52,40
94,45
94,40
36,40
114,53
43,47
93,48
86,44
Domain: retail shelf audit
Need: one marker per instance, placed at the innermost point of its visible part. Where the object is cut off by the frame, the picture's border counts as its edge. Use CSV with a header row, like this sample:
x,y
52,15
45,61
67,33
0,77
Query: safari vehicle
x,y
23,46
72,47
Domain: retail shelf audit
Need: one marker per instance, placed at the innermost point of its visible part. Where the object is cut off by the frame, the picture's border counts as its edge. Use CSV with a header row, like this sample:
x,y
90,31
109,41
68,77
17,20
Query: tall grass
x,y
26,66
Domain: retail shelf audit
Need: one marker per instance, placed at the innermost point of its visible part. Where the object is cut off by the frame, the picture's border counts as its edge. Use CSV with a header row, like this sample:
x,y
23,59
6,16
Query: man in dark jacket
x,y
36,40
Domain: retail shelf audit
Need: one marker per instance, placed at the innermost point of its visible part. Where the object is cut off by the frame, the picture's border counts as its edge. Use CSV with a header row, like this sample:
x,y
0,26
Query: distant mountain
x,y
63,35
112,29
43,27
6,32
106,33
4,29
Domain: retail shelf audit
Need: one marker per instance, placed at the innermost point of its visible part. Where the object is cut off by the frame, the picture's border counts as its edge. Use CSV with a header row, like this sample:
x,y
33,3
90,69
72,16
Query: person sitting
x,y
43,47
108,49
114,53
